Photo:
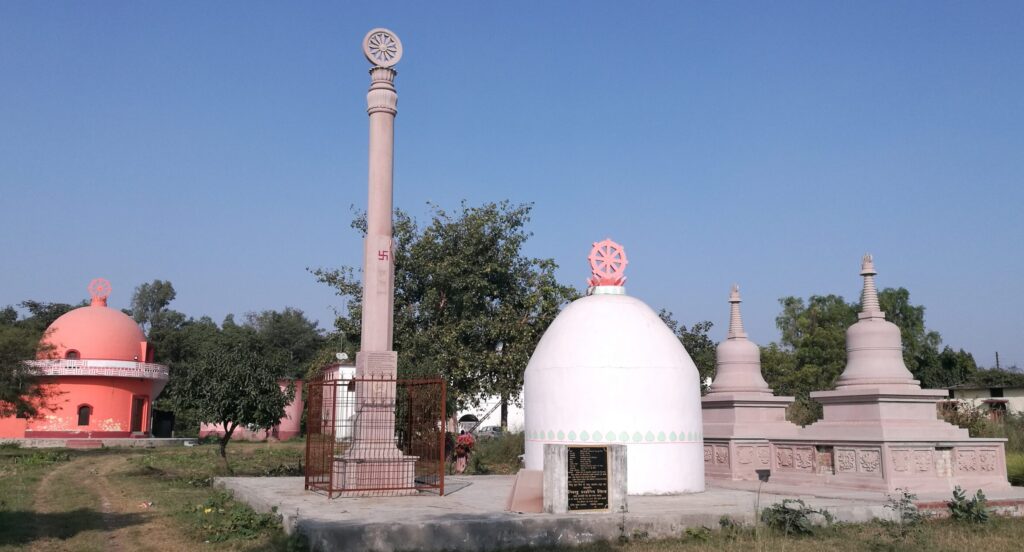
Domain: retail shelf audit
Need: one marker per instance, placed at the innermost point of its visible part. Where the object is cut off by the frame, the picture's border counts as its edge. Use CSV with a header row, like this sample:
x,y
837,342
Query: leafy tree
x,y
920,345
953,368
42,314
149,300
229,384
697,343
468,303
998,377
21,391
289,333
815,332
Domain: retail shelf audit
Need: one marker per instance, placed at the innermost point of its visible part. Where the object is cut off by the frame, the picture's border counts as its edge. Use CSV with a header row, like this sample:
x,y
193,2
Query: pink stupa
x,y
740,412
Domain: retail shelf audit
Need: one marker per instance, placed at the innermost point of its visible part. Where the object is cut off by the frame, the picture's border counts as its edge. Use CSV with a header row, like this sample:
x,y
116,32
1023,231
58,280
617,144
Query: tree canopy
x,y
149,300
469,304
697,343
231,384
22,391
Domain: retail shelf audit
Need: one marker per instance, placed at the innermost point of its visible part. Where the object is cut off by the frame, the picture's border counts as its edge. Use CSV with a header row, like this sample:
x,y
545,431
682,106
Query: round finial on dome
x,y
607,264
382,47
99,289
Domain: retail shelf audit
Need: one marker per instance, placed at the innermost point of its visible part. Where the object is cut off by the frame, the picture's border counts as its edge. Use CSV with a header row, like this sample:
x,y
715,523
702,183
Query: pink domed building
x,y
99,370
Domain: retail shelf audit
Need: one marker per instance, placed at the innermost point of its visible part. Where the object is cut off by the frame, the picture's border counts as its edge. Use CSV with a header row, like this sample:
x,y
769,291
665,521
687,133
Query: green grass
x,y
155,499
1001,534
497,455
1015,467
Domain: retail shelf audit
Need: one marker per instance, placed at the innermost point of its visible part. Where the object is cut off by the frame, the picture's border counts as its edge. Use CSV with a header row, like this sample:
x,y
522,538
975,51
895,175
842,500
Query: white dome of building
x,y
609,371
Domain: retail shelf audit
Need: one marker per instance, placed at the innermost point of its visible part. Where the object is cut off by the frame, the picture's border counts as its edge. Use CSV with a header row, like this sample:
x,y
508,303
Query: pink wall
x,y
287,428
111,401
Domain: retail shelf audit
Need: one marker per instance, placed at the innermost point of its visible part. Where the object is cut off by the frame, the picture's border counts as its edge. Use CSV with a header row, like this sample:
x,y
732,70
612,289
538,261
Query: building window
x,y
84,412
996,392
72,355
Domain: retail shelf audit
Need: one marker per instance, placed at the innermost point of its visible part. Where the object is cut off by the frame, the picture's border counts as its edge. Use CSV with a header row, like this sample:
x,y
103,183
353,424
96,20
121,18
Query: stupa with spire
x,y
740,411
880,430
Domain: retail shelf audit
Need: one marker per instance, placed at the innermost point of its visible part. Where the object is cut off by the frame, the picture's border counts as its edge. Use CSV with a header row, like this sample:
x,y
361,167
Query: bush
x,y
793,517
975,420
908,517
974,510
499,455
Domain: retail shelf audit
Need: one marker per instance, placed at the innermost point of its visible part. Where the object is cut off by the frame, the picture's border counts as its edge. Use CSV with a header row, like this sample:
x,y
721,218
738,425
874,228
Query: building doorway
x,y
138,409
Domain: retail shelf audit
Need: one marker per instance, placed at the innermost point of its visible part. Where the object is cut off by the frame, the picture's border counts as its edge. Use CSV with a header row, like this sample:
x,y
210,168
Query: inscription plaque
x,y
588,478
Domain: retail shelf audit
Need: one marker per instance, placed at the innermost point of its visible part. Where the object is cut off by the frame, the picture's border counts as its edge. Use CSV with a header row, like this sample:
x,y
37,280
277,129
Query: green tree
x,y
469,305
231,385
149,300
697,343
42,314
288,333
920,345
21,391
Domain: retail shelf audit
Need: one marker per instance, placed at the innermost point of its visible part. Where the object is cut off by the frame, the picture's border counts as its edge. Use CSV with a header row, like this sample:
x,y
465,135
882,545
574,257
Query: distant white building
x,y
997,400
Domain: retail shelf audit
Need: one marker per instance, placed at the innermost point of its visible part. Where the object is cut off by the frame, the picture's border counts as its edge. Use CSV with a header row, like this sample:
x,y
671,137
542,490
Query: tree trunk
x,y
504,412
229,428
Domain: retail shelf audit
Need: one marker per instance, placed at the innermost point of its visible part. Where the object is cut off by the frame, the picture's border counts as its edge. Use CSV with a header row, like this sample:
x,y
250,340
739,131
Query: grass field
x,y
124,499
162,499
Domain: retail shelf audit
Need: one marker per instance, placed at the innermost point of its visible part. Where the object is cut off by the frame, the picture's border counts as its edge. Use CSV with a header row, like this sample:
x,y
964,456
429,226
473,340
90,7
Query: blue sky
x,y
221,145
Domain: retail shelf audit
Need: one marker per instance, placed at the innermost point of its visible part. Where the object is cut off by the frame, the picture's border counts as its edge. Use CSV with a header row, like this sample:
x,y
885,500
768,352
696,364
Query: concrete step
x,y
84,444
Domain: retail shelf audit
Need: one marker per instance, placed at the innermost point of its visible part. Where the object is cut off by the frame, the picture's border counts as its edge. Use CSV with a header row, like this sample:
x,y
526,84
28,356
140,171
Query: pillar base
x,y
394,476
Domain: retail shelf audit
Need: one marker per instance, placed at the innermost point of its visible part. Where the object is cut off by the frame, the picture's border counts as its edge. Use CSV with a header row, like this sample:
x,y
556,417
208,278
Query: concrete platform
x,y
472,518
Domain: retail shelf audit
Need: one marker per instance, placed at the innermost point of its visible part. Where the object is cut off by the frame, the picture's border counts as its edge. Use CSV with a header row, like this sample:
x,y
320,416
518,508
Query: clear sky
x,y
221,145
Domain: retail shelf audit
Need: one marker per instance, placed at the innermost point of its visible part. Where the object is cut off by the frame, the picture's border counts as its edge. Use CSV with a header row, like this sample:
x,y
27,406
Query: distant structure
x,y
740,411
100,370
287,428
995,400
880,429
609,371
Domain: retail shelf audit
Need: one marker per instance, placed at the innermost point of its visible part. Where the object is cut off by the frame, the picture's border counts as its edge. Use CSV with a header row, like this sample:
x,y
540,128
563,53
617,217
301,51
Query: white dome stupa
x,y
609,371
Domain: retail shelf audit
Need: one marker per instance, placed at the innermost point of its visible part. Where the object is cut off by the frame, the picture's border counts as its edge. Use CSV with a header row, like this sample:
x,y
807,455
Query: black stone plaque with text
x,y
588,478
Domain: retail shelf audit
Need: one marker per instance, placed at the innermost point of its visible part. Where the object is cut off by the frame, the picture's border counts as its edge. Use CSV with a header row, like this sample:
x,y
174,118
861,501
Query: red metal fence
x,y
375,436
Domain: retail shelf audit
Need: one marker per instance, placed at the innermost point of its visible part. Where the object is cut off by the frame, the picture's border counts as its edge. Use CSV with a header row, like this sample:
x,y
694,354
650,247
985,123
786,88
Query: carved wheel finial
x,y
382,47
99,289
607,264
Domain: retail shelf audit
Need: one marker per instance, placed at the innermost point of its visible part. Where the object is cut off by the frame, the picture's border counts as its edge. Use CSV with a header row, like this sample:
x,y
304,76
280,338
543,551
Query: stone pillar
x,y
374,461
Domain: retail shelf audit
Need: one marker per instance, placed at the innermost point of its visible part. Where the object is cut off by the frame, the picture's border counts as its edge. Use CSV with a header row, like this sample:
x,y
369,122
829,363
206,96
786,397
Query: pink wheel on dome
x,y
607,264
99,289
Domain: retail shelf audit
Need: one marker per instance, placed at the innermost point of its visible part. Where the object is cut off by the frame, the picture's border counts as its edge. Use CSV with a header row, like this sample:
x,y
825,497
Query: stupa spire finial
x,y
99,289
735,319
607,264
869,306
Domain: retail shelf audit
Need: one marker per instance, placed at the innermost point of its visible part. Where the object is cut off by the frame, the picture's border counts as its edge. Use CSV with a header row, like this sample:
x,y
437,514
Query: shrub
x,y
793,517
973,510
908,517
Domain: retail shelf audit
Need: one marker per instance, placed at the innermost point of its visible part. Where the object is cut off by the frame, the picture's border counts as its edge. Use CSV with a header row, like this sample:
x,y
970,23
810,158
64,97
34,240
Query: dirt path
x,y
80,507
84,510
